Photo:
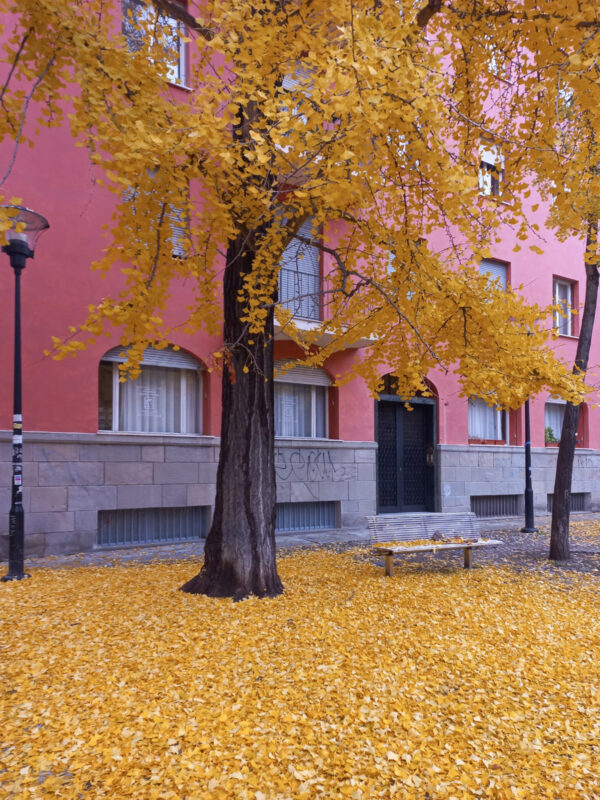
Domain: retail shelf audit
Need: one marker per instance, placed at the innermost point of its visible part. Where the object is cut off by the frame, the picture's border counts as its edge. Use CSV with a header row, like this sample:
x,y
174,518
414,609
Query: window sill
x,y
556,444
183,86
487,441
567,336
150,433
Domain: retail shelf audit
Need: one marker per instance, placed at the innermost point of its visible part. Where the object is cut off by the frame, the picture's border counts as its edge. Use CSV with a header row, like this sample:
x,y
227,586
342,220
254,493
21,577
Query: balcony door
x,y
300,275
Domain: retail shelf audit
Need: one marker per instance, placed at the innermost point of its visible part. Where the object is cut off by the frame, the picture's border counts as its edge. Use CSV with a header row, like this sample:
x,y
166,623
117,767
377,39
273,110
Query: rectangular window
x,y
300,275
491,169
160,400
144,25
553,421
486,423
495,270
300,410
563,297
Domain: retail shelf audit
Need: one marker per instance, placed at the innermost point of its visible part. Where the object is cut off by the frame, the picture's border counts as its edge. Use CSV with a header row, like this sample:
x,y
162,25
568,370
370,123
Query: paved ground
x,y
520,550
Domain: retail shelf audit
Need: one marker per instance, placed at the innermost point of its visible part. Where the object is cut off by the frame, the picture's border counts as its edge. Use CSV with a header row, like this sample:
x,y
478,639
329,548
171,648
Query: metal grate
x,y
152,525
496,505
387,456
579,502
305,516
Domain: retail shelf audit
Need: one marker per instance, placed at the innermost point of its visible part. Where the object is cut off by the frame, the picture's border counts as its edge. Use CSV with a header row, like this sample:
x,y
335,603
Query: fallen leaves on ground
x,y
438,683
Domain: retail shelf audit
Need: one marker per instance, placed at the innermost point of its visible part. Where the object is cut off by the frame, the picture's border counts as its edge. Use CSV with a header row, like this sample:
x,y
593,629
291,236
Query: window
x,y
300,275
165,398
180,231
301,402
491,169
486,423
563,297
554,413
495,270
142,24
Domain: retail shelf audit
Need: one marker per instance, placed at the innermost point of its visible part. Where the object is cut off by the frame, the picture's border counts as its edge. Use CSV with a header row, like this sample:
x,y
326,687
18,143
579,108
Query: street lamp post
x,y
529,521
26,227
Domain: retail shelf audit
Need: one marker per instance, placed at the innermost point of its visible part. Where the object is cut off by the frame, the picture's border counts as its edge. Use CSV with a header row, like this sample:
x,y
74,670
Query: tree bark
x,y
239,555
559,533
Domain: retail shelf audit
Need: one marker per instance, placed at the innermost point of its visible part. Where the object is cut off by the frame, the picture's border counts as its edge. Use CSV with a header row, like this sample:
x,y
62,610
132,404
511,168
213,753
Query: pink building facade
x,y
109,464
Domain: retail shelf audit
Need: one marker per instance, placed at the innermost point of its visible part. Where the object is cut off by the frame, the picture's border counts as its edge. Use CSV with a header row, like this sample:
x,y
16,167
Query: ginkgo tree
x,y
352,126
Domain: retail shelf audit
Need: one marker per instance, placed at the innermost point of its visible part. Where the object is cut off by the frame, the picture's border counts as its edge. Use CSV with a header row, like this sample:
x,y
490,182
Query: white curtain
x,y
485,422
553,418
294,406
152,403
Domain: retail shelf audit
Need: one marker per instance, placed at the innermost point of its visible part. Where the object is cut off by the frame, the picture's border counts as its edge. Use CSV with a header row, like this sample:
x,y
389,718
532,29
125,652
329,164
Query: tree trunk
x,y
239,555
559,533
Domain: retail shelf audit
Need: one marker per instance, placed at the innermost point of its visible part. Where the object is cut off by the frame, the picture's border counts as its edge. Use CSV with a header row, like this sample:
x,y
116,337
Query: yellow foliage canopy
x,y
353,115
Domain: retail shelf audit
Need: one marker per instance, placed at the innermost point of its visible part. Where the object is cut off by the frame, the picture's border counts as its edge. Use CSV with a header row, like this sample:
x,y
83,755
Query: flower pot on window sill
x,y
487,441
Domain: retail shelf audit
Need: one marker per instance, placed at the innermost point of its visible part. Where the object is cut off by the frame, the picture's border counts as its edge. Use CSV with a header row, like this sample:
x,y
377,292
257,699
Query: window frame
x,y
502,425
491,276
314,378
183,397
306,231
568,320
177,68
491,170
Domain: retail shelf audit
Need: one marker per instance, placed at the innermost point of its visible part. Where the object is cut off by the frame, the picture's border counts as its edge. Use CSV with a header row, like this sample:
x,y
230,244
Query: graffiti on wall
x,y
310,465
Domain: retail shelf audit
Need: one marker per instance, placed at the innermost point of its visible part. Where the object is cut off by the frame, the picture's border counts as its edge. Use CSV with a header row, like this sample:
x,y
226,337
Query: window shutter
x,y
299,256
299,374
168,357
495,269
179,230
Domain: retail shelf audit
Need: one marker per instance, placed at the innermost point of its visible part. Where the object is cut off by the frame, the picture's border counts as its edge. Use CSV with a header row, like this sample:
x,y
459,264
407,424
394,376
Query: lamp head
x,y
26,226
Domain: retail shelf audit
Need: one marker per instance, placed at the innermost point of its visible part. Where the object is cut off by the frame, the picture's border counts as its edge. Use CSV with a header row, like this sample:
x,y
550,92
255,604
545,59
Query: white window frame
x,y
177,67
491,168
501,424
495,270
307,376
185,423
553,401
564,325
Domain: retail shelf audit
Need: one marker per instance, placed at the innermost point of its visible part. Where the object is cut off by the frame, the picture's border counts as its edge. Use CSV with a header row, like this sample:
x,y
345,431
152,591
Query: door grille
x,y
496,505
136,526
387,455
305,516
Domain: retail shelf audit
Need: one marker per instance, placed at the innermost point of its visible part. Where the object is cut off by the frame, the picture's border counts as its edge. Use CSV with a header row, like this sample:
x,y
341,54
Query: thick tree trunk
x,y
240,549
559,533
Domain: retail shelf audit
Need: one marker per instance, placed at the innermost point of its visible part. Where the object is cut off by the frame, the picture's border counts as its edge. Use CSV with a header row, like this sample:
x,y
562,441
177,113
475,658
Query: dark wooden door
x,y
405,462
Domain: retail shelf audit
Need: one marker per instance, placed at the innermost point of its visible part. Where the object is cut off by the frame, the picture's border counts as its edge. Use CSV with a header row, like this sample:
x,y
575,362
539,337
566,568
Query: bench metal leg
x,y
468,557
389,566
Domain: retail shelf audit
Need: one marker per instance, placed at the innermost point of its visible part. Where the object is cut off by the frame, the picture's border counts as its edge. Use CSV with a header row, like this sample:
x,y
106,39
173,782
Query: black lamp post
x,y
26,227
529,522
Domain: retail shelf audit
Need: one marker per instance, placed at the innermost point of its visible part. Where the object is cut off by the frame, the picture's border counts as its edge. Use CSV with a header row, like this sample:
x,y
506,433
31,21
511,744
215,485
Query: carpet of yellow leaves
x,y
435,684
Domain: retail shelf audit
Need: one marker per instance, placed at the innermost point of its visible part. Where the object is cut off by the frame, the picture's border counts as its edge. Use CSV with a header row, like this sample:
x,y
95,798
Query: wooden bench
x,y
408,527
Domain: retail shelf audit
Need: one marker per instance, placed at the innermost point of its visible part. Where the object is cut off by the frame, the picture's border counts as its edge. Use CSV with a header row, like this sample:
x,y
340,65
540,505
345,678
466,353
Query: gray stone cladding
x,y
69,477
476,470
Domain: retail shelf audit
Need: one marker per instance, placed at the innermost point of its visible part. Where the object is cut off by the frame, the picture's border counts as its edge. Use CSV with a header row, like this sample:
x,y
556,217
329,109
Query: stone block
x,y
87,539
176,472
485,459
368,507
153,452
342,455
174,494
284,492
201,494
53,452
71,473
304,492
502,460
109,452
188,452
361,490
349,506
58,543
468,458
136,472
333,490
88,498
30,473
50,522
207,472
365,472
35,544
144,496
5,451
86,521
368,455
3,547
353,520
5,474
48,498
5,498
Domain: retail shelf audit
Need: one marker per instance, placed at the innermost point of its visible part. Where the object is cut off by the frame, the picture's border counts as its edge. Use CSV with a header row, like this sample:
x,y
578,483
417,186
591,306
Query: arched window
x,y
301,402
165,398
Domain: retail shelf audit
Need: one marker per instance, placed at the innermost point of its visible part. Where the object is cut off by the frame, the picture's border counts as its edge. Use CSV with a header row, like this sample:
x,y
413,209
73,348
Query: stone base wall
x,y
69,477
476,470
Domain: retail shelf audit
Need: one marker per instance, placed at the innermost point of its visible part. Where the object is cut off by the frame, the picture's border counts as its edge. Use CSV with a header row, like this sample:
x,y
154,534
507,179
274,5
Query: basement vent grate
x,y
305,516
136,526
579,501
496,505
